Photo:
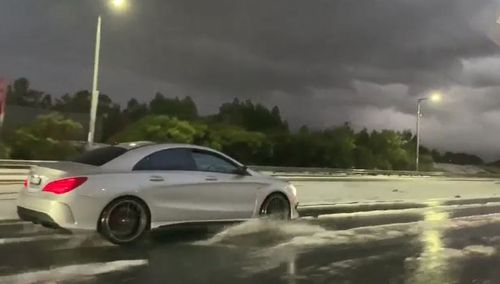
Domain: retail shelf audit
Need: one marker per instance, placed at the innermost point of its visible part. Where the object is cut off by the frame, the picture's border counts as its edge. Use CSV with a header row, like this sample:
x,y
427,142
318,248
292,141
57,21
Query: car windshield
x,y
99,156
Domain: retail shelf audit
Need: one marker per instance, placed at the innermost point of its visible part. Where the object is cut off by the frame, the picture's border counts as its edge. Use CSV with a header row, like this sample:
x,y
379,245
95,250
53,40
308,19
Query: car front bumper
x,y
295,213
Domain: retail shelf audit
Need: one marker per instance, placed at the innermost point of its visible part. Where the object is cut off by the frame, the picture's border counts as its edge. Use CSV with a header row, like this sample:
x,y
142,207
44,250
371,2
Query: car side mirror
x,y
243,171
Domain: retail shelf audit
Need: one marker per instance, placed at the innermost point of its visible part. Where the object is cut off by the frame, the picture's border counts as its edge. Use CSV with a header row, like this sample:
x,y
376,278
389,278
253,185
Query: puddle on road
x,y
80,272
306,249
272,244
83,240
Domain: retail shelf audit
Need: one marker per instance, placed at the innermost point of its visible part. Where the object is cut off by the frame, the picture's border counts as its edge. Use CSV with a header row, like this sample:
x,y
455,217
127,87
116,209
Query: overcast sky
x,y
322,61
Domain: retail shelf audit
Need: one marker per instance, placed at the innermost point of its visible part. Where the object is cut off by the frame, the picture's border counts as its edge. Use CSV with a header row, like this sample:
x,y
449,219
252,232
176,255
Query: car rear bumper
x,y
36,217
44,211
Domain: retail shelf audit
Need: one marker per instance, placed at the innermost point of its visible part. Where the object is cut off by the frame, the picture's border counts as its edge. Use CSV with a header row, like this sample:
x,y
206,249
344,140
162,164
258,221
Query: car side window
x,y
167,160
210,162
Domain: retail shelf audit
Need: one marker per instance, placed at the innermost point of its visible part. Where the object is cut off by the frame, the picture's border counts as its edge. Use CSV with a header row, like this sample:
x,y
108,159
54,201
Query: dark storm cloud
x,y
322,61
254,47
292,45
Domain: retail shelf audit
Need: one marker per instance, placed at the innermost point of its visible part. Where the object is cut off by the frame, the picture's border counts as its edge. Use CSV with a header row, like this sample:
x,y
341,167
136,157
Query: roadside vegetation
x,y
248,131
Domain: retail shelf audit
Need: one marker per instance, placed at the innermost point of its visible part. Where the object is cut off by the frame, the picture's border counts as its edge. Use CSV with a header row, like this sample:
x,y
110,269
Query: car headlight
x,y
292,188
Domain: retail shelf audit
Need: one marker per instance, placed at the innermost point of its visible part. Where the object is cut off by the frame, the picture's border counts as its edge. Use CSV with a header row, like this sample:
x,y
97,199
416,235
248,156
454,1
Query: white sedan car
x,y
125,190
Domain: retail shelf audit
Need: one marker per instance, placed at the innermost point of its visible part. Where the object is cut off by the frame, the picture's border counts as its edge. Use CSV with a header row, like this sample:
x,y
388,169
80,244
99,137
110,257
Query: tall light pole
x,y
95,92
435,97
118,4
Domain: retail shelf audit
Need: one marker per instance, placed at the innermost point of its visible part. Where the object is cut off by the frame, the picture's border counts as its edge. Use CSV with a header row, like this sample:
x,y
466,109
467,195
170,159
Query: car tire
x,y
124,221
276,206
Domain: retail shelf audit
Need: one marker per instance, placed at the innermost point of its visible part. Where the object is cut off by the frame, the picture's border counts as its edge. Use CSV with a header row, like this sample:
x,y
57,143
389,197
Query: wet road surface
x,y
455,242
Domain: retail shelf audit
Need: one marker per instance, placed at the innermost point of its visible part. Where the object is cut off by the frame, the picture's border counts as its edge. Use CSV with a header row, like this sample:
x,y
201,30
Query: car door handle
x,y
211,178
156,178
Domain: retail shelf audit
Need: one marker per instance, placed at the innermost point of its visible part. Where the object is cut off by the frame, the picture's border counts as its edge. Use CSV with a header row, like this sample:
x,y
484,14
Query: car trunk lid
x,y
41,175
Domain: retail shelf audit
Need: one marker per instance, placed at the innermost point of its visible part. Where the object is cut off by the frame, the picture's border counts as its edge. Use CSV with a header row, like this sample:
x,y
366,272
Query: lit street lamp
x,y
119,5
435,97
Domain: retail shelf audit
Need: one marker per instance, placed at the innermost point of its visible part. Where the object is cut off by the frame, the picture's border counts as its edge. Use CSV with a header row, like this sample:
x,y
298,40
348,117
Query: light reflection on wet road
x,y
441,243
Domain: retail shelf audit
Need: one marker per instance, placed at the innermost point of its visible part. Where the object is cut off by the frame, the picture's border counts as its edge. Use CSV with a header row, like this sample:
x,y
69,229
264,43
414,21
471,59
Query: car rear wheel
x,y
276,206
124,221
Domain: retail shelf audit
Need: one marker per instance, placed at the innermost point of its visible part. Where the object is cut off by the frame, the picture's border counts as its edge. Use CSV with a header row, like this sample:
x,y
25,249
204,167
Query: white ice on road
x,y
5,241
72,272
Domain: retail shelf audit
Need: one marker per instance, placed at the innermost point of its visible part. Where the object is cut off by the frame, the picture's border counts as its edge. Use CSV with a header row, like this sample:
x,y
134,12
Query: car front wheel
x,y
124,221
276,206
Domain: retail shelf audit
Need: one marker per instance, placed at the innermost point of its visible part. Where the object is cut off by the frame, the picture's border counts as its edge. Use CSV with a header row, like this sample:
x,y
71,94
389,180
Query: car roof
x,y
138,150
158,146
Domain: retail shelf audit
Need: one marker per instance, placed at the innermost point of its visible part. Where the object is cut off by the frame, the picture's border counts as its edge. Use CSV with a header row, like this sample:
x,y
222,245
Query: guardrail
x,y
12,177
309,171
338,172
22,164
21,167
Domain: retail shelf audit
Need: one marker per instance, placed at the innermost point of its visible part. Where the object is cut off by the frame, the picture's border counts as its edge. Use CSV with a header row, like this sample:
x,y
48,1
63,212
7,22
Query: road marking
x,y
13,223
72,272
5,241
397,212
314,209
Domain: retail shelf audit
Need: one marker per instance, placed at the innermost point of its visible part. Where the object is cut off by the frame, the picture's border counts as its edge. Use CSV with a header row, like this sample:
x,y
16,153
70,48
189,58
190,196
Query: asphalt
x,y
440,243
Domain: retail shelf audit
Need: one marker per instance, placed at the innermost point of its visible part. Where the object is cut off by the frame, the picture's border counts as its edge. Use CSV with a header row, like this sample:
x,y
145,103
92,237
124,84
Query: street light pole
x,y
95,92
419,115
435,97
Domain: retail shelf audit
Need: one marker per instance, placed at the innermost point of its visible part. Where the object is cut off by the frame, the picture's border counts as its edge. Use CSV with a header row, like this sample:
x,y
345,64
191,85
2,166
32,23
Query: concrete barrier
x,y
8,196
376,189
318,186
9,176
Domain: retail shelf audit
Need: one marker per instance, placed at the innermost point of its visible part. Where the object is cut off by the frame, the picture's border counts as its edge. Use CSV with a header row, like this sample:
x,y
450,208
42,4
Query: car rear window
x,y
100,156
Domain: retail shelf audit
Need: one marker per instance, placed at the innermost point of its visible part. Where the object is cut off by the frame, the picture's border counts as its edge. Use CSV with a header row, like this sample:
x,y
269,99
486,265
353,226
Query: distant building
x,y
17,116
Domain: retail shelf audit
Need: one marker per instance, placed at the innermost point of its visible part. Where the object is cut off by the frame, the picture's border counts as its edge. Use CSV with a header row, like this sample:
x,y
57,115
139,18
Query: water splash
x,y
261,232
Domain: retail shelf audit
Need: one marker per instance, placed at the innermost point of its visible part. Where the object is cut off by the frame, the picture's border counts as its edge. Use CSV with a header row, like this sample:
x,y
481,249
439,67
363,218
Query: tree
x,y
135,110
436,156
298,150
112,120
363,158
246,130
4,151
246,146
78,102
159,128
329,148
20,93
304,129
389,149
182,109
251,117
46,138
339,144
461,159
46,102
363,138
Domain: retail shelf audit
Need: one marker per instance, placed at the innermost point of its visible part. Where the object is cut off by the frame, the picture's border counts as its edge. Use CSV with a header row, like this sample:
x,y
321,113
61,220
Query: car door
x,y
225,194
169,185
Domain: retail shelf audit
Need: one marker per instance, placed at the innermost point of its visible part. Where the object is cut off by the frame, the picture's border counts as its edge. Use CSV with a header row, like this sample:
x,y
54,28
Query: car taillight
x,y
64,185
